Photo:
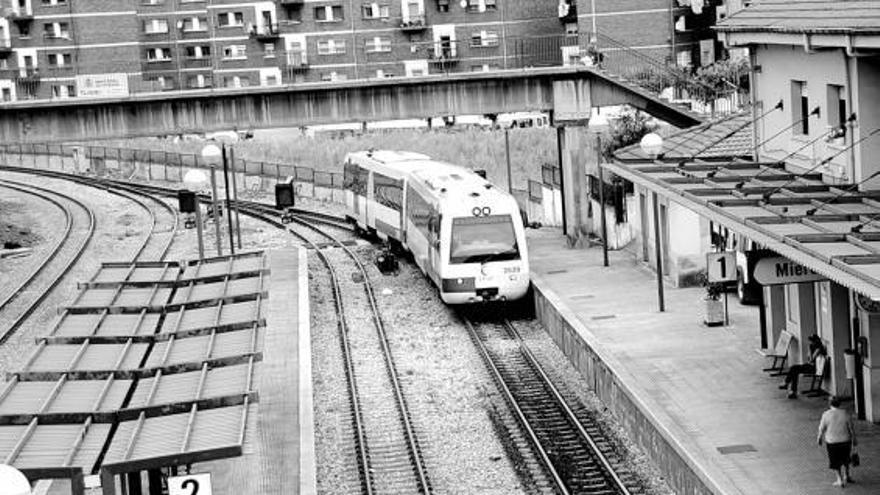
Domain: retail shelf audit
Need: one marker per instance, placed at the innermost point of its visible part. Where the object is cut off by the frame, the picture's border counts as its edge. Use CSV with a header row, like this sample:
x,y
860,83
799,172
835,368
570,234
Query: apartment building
x,y
110,48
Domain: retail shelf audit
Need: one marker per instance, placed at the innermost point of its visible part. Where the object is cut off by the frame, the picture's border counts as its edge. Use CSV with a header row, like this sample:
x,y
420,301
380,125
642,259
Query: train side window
x,y
434,225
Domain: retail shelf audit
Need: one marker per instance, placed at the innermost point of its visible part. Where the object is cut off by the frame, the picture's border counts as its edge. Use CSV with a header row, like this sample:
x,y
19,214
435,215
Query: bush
x,y
627,129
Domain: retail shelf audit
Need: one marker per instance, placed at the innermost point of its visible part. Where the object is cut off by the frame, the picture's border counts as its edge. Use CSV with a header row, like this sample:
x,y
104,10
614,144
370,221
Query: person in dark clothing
x,y
817,348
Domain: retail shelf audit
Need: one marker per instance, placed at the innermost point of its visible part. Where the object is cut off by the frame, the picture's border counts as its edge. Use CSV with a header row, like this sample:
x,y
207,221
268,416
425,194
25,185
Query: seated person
x,y
817,348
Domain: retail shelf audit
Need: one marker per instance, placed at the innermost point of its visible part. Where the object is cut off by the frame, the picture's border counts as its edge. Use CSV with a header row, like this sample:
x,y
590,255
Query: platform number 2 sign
x,y
721,267
190,484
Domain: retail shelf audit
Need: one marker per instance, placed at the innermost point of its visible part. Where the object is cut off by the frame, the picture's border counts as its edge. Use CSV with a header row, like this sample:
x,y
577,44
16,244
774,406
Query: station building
x,y
81,48
795,183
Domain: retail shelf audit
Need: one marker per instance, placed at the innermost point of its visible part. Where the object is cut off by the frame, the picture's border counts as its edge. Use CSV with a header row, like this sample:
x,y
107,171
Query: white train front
x,y
465,234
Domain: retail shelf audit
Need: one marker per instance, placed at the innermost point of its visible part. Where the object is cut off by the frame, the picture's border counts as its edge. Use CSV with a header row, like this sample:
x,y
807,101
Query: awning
x,y
833,230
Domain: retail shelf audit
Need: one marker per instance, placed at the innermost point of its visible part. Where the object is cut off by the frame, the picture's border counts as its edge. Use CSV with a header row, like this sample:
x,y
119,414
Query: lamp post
x,y
195,180
602,199
652,145
212,154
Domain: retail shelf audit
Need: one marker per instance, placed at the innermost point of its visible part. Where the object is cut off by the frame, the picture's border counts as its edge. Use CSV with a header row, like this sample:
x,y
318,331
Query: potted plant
x,y
714,315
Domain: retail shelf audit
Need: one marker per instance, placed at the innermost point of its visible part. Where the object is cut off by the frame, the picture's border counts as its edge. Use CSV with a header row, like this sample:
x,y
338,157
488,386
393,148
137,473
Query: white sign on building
x,y
101,85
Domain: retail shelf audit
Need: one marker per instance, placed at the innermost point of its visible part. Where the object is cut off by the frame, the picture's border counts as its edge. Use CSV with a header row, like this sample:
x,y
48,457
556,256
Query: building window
x,y
331,47
443,5
152,2
53,2
235,51
198,81
684,58
59,59
375,11
333,76
800,108
837,114
158,54
195,24
377,45
197,51
56,30
236,81
24,30
7,94
156,26
480,5
484,38
230,19
269,50
328,13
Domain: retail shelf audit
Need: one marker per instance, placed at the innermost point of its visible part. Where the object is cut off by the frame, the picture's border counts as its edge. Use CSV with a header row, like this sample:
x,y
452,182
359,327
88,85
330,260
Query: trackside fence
x,y
540,200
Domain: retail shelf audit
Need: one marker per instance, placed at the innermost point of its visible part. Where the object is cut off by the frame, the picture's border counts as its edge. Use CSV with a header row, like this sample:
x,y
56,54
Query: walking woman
x,y
836,430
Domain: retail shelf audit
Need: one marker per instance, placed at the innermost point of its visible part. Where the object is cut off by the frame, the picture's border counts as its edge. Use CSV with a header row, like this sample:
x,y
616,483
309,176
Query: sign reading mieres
x,y
190,484
778,270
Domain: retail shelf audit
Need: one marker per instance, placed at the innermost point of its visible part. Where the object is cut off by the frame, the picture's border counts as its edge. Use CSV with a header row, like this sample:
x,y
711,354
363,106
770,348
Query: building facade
x,y
83,48
798,205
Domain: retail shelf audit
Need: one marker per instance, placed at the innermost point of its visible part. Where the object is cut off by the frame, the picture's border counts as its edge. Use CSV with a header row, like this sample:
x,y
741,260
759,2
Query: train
x,y
466,235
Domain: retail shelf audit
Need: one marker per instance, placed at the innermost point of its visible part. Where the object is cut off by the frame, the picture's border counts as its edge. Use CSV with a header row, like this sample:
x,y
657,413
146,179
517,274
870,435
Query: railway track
x,y
571,448
30,293
389,459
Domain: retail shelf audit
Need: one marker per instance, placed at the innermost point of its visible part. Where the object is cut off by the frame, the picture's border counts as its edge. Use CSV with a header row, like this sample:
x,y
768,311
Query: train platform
x,y
281,458
196,369
694,397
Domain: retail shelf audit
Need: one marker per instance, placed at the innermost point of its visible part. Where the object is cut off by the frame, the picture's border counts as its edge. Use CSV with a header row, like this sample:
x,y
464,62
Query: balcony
x,y
5,47
415,24
19,16
198,62
269,32
295,62
443,55
28,75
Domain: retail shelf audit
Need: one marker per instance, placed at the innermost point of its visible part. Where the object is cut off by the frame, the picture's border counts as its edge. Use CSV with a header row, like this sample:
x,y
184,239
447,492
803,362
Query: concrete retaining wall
x,y
646,423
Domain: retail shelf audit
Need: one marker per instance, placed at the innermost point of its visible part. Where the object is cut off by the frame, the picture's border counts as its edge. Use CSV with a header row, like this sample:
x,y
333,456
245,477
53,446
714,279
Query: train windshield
x,y
482,239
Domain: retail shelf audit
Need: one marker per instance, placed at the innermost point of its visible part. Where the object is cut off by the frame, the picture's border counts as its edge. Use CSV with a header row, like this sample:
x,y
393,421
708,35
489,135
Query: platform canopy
x,y
832,230
151,365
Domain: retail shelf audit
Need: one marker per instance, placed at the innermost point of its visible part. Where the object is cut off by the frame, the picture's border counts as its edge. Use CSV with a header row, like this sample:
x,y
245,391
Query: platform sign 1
x,y
721,267
190,484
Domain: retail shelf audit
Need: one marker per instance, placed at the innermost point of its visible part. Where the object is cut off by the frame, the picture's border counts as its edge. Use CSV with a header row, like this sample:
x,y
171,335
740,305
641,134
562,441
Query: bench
x,y
818,376
779,353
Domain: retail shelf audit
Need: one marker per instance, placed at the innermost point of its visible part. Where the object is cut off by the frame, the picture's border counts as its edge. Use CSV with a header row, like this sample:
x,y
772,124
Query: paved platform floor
x,y
708,382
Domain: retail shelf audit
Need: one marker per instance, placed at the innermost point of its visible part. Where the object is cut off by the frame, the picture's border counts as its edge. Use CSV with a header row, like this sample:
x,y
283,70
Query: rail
x,y
569,453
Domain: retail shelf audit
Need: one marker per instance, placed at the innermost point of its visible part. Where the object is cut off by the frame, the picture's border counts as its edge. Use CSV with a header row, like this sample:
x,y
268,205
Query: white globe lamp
x,y
13,482
195,180
652,144
212,154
